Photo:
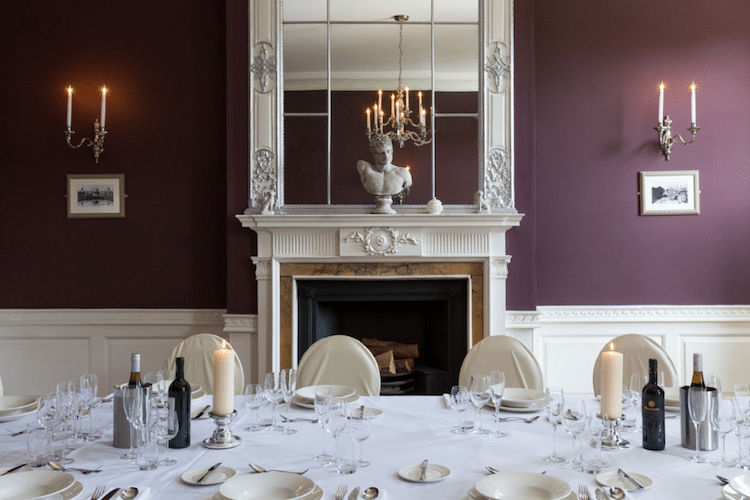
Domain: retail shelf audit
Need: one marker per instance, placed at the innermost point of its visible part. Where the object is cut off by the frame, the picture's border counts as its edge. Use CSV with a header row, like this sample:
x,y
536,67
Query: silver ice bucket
x,y
709,436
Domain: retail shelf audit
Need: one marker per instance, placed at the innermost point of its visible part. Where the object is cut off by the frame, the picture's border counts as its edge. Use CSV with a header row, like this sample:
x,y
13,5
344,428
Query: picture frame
x,y
96,195
672,192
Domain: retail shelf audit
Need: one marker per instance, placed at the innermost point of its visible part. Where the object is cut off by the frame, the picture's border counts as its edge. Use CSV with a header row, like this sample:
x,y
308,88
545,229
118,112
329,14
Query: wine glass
x,y
554,404
132,403
479,394
288,379
89,385
459,404
698,404
361,428
637,382
169,425
272,387
723,418
574,421
323,401
255,399
159,386
497,388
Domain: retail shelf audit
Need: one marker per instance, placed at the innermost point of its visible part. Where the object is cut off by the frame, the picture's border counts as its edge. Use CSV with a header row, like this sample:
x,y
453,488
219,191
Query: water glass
x,y
323,401
167,429
361,428
698,404
723,418
148,451
459,404
574,420
37,445
347,459
288,379
479,394
89,387
554,405
596,461
255,399
272,386
497,388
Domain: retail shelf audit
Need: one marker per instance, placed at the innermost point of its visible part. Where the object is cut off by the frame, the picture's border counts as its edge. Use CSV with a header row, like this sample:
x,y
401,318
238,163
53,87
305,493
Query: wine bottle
x,y
135,370
179,396
698,371
652,411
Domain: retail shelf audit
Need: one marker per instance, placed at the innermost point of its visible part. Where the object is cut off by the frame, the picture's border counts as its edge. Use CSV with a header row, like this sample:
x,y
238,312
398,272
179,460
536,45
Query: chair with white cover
x,y
198,351
501,352
636,351
1,386
340,360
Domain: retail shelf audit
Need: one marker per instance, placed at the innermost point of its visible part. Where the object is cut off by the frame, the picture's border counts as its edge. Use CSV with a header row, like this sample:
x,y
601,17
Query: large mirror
x,y
308,118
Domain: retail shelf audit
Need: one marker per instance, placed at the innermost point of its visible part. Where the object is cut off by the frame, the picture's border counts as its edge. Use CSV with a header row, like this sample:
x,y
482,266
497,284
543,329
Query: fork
x,y
340,492
522,419
583,493
99,491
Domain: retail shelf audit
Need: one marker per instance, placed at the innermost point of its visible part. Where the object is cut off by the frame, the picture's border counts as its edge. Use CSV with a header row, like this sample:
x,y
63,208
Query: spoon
x,y
616,493
131,492
370,493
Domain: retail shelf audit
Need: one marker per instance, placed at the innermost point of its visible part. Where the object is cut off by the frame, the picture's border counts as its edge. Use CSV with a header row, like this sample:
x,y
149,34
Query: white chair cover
x,y
636,350
198,351
340,360
1,386
500,352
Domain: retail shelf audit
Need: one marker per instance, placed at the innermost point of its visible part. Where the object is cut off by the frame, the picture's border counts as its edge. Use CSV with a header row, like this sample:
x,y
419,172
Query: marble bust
x,y
383,179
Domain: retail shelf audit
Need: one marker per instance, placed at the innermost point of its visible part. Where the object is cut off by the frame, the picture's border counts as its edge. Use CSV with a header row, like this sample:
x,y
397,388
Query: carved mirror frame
x,y
265,81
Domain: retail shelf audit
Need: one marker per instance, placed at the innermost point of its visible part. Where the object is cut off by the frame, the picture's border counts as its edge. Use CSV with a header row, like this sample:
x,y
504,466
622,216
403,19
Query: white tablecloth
x,y
411,429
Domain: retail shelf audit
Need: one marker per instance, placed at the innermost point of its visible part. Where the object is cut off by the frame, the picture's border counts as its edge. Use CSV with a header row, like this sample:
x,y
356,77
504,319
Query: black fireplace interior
x,y
427,312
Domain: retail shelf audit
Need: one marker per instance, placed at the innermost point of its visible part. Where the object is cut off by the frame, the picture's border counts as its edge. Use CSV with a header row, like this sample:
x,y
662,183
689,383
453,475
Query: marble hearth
x,y
469,247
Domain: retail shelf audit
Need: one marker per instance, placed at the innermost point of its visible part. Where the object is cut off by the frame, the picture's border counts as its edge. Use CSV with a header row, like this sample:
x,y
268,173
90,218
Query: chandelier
x,y
399,126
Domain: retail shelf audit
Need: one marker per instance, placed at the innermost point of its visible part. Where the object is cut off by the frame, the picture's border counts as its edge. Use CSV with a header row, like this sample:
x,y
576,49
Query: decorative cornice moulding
x,y
651,313
240,323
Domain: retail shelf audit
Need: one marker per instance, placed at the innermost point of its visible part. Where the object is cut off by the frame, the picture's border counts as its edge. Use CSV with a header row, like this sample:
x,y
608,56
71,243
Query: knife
x,y
354,494
13,469
624,474
112,494
200,413
422,470
209,471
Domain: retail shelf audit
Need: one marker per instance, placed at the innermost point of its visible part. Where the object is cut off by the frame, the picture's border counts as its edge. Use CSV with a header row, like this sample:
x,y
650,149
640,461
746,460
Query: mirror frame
x,y
265,119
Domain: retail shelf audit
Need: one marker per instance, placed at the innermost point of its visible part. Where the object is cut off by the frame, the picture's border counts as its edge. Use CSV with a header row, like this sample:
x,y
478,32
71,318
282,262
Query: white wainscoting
x,y
38,348
567,339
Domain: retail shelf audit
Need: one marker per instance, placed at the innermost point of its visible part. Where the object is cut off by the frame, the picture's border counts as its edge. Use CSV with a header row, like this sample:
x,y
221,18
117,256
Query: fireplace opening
x,y
431,313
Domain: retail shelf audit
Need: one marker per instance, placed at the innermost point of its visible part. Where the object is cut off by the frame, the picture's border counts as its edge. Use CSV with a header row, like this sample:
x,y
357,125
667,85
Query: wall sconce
x,y
664,126
97,143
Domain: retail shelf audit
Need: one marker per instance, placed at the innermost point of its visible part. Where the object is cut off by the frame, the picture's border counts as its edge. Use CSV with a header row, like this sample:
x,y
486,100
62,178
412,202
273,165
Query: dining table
x,y
409,430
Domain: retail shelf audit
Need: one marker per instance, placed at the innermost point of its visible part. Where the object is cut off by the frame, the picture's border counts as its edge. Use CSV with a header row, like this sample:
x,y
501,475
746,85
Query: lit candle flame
x,y
69,90
611,346
692,87
661,86
223,344
104,91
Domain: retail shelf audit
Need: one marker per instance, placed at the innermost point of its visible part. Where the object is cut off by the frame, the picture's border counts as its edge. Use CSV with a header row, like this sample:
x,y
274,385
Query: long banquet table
x,y
410,429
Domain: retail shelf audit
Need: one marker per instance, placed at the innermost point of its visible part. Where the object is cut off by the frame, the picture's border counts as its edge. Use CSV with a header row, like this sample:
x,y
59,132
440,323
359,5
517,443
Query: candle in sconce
x,y
380,99
369,129
223,403
611,383
393,100
104,106
420,99
407,97
692,103
398,112
661,102
69,90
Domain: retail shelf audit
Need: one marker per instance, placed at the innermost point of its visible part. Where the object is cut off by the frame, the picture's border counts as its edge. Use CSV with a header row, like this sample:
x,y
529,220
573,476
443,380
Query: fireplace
x,y
431,313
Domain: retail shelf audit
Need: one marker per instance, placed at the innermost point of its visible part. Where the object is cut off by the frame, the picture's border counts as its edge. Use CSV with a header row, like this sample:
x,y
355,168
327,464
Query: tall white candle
x,y
420,99
611,383
398,112
223,403
368,120
380,99
393,100
70,106
692,103
407,97
104,106
661,102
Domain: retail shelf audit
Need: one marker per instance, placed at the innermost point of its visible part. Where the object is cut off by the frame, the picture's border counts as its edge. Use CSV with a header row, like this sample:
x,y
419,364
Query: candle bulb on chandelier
x,y
407,97
692,103
381,121
398,112
393,100
369,128
70,105
104,105
420,99
661,102
380,99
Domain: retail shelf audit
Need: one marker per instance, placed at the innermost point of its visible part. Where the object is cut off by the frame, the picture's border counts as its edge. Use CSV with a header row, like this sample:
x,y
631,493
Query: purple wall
x,y
597,67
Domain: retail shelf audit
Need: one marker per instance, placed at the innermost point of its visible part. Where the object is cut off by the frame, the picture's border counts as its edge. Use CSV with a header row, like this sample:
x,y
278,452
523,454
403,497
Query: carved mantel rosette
x,y
497,68
263,67
382,241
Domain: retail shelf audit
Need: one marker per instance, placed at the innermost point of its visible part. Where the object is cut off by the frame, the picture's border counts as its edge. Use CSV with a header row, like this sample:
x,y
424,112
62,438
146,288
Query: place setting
x,y
15,407
520,486
304,397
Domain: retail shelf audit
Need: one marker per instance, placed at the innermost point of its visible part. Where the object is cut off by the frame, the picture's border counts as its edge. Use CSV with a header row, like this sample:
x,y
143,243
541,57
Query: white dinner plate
x,y
522,486
33,484
433,473
8,418
315,494
729,494
611,478
367,413
307,394
474,495
197,394
671,408
10,405
516,397
741,484
529,409
267,486
311,406
217,476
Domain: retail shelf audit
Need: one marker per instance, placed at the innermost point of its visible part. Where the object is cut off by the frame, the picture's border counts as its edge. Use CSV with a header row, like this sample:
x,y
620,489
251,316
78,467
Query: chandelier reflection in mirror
x,y
400,126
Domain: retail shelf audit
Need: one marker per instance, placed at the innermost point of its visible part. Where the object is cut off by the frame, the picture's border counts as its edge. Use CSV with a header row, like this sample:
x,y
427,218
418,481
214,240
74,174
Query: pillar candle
x,y
611,383
104,105
692,103
223,381
70,106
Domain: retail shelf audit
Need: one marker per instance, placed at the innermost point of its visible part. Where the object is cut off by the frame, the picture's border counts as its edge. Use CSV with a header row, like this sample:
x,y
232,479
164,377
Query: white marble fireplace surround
x,y
368,238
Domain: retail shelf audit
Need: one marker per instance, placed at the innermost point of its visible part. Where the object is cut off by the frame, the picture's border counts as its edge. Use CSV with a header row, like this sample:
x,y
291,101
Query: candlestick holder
x,y
96,144
222,437
611,439
667,140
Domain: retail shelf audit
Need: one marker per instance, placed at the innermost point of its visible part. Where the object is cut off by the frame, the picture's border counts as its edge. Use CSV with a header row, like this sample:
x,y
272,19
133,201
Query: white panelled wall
x,y
41,347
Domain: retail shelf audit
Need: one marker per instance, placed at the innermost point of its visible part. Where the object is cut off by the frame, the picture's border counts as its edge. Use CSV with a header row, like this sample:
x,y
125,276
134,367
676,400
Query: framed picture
x,y
673,192
96,195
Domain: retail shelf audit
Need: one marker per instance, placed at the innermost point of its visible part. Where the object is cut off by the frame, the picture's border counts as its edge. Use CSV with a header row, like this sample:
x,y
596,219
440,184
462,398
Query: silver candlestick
x,y
667,140
611,439
222,437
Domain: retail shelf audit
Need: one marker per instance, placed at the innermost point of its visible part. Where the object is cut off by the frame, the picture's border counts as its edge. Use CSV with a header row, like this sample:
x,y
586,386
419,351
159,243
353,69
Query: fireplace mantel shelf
x,y
495,222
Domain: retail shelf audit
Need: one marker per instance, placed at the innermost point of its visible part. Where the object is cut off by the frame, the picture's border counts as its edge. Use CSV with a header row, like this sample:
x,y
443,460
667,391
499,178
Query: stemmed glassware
x,y
272,387
723,418
554,404
323,402
132,403
459,404
479,393
361,428
255,399
497,388
288,379
637,382
698,404
89,386
168,427
574,421
596,427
